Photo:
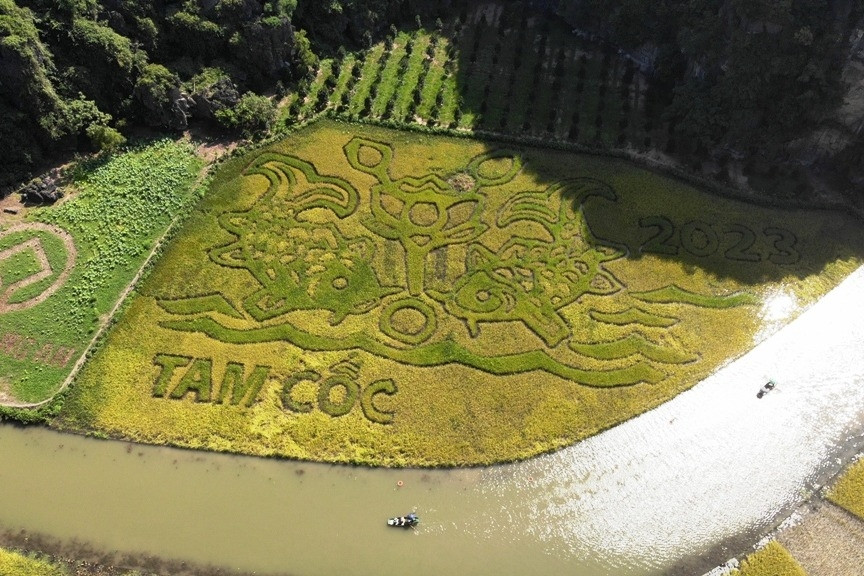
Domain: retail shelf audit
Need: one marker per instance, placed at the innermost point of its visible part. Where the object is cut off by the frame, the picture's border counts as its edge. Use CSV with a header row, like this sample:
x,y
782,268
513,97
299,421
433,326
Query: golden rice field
x,y
770,560
358,294
848,491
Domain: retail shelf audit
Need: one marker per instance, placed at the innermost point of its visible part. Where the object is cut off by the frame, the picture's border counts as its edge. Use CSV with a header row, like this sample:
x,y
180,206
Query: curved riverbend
x,y
711,464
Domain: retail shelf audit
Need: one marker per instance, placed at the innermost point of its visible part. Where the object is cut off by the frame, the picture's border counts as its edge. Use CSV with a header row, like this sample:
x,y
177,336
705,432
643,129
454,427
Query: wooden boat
x,y
407,521
767,387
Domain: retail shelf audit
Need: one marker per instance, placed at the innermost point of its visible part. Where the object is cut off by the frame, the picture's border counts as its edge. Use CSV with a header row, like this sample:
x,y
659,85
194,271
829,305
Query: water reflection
x,y
716,461
635,500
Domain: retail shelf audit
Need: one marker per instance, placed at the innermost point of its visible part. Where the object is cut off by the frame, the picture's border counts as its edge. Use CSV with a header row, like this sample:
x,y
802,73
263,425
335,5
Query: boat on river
x,y
767,387
408,521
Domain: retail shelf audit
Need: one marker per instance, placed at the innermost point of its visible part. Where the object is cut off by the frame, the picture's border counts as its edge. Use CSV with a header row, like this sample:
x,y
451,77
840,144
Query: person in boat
x,y
767,387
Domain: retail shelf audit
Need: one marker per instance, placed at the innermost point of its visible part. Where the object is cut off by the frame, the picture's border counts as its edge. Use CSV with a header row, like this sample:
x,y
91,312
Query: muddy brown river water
x,y
676,484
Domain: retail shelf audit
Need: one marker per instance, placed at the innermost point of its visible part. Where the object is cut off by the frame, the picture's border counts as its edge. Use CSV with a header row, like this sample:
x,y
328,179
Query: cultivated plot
x,y
366,295
65,267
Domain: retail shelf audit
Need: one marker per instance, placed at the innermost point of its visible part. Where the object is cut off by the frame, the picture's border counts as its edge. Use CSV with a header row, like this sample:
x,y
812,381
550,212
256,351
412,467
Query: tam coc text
x,y
236,384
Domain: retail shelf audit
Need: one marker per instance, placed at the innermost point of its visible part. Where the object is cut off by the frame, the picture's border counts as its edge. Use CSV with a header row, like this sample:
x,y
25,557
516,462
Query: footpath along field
x,y
64,267
358,294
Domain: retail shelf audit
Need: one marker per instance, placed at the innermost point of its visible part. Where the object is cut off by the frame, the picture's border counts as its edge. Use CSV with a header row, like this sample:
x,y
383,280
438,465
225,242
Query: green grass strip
x,y
542,102
612,104
590,97
673,294
450,100
433,80
478,74
499,82
569,101
286,109
324,70
343,80
522,81
368,77
390,80
408,82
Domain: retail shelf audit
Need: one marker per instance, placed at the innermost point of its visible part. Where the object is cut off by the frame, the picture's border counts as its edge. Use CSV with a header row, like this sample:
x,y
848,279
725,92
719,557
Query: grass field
x,y
358,294
63,269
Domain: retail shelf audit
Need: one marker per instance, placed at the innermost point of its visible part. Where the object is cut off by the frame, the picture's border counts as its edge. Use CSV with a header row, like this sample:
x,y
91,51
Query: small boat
x,y
767,387
407,521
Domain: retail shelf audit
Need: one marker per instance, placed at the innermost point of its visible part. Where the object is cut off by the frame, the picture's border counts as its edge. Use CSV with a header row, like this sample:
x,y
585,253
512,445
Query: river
x,y
646,497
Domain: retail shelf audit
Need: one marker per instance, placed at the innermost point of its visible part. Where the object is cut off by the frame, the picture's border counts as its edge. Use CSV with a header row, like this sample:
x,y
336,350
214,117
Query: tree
x,y
104,137
108,63
253,115
158,93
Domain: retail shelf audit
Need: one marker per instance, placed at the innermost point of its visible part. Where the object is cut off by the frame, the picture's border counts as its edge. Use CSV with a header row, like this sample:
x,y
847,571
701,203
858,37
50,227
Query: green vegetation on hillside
x,y
643,75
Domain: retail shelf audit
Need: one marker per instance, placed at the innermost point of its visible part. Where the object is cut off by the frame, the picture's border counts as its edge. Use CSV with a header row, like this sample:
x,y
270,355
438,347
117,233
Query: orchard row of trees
x,y
744,76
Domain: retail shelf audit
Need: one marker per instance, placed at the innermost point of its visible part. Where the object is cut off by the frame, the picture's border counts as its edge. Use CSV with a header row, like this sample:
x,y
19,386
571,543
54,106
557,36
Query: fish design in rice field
x,y
293,242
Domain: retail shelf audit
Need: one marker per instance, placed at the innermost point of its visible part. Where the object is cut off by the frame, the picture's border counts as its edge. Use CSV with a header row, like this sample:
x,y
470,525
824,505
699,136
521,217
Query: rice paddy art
x,y
302,264
357,294
22,286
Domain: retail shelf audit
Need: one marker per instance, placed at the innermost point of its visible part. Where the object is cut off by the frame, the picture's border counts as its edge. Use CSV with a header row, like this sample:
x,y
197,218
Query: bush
x,y
104,137
253,116
156,91
305,60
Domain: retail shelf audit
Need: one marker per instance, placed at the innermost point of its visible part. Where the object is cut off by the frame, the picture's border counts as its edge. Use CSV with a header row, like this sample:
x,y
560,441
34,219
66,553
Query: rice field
x,y
365,295
64,268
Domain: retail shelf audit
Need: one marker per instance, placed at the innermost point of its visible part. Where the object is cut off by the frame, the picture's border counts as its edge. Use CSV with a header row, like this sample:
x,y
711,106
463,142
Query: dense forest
x,y
741,78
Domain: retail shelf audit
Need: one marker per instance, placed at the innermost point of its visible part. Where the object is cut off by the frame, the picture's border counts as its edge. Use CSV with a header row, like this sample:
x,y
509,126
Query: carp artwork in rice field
x,y
363,295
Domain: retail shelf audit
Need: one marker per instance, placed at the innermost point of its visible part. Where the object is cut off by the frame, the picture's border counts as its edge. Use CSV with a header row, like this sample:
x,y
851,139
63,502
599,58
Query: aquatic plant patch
x,y
17,564
64,269
364,295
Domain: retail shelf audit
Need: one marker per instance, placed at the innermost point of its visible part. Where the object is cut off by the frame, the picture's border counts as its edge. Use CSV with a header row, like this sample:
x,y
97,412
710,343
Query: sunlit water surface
x,y
711,464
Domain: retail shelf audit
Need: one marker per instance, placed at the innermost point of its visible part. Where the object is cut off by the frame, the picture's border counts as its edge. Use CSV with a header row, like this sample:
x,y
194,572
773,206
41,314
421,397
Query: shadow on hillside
x,y
520,77
524,76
